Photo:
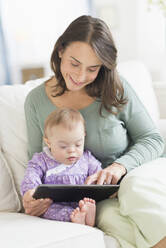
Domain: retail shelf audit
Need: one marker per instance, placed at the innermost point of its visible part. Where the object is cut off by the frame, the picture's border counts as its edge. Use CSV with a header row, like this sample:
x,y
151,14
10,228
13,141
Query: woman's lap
x,y
112,223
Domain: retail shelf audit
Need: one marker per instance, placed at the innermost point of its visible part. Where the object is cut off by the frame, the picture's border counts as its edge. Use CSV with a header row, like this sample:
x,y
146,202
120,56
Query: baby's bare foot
x,y
90,206
85,213
78,215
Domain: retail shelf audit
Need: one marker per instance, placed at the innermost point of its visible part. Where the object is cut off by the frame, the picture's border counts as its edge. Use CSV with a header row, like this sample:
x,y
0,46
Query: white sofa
x,y
18,230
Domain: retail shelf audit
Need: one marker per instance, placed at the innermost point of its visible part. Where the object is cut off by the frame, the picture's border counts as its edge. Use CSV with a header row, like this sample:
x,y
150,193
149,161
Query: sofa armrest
x,y
162,128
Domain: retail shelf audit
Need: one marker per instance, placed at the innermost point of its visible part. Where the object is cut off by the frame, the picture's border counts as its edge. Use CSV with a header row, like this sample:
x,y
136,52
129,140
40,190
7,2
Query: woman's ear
x,y
46,141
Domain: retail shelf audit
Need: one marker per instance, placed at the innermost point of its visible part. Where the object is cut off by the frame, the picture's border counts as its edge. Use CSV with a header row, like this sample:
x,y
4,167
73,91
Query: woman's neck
x,y
53,82
73,99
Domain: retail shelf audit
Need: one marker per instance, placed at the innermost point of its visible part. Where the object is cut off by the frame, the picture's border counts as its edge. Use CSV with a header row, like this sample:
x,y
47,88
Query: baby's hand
x,y
35,207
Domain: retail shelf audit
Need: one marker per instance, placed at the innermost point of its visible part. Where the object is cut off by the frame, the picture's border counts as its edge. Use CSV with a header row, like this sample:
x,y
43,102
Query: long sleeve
x,y
145,141
37,107
34,173
34,132
129,138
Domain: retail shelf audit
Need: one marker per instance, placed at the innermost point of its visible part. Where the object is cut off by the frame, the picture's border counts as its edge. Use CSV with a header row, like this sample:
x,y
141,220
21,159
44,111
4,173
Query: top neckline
x,y
87,108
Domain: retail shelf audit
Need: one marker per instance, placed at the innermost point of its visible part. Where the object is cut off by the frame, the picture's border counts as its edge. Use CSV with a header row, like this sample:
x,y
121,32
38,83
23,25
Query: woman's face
x,y
79,65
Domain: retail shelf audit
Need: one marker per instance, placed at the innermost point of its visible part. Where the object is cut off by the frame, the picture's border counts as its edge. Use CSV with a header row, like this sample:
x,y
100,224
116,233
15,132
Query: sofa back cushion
x,y
138,76
9,198
13,137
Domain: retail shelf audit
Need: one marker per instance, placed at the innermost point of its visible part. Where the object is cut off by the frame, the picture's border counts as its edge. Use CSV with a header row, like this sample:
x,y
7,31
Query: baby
x,y
64,161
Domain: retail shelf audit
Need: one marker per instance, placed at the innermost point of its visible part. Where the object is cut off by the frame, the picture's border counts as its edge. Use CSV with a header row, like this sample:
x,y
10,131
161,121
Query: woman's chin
x,y
74,87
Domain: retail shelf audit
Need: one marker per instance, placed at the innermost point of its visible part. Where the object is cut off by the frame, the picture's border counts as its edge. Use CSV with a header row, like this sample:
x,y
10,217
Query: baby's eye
x,y
78,145
63,147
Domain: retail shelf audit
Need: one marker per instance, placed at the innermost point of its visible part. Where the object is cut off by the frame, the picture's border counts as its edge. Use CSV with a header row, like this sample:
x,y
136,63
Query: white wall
x,y
32,27
152,39
139,33
121,16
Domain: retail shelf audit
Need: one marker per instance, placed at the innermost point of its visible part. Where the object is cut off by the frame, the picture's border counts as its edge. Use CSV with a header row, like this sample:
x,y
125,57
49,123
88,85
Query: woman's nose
x,y
81,75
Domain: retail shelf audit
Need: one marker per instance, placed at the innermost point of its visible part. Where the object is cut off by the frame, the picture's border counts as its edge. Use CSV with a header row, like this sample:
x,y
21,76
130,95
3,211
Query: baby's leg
x,y
60,211
85,213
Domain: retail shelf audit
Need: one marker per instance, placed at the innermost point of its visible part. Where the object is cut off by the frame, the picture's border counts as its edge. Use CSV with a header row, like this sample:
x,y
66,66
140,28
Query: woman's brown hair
x,y
107,86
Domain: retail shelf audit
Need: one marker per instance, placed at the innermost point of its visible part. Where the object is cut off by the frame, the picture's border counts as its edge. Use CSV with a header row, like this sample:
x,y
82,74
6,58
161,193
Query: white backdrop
x,y
33,26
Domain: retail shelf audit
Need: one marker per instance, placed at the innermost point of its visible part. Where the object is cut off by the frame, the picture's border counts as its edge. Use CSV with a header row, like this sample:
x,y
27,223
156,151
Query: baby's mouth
x,y
71,158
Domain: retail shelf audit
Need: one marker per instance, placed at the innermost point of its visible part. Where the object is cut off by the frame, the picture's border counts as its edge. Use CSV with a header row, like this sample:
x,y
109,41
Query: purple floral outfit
x,y
44,169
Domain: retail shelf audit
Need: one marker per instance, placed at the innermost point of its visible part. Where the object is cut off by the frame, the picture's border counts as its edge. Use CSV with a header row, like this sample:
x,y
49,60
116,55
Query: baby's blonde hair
x,y
66,116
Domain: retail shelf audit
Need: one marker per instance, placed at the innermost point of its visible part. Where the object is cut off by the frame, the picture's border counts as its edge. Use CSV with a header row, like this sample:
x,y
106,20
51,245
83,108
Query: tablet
x,y
70,193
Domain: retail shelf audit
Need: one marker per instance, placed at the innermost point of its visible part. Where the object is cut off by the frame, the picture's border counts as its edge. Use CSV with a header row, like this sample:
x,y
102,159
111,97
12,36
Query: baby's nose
x,y
71,149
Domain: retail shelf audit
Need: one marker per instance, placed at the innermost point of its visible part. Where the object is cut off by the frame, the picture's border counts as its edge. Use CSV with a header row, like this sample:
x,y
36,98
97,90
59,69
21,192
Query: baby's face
x,y
67,145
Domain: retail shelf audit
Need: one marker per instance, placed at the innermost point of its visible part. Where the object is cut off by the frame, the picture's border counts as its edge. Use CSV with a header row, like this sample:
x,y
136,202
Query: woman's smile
x,y
76,83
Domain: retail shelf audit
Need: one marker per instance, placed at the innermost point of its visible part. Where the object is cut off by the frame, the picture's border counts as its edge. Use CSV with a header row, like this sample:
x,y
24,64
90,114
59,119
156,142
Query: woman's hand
x,y
109,175
35,207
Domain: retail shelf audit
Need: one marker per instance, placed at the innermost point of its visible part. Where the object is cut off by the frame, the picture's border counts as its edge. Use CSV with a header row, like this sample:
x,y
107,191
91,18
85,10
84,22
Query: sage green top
x,y
129,138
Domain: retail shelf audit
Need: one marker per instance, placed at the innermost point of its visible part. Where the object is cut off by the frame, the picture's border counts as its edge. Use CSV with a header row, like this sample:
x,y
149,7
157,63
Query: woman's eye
x,y
75,65
92,70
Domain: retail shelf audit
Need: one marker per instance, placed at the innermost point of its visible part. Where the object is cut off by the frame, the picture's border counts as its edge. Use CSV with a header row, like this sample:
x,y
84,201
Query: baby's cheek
x,y
80,152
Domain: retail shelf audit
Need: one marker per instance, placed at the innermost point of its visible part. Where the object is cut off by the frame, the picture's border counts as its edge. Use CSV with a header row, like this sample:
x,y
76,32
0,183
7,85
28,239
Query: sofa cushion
x,y
142,197
20,230
9,199
13,137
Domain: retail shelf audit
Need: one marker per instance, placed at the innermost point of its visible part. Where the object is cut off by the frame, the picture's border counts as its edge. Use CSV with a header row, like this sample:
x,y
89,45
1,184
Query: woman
x,y
120,132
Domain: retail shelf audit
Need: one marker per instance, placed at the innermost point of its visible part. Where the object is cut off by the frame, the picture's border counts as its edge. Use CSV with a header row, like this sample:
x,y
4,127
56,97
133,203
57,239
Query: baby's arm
x,y
34,173
33,177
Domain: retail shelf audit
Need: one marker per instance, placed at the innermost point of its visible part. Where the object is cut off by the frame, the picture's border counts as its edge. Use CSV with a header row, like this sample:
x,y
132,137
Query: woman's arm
x,y
145,141
34,133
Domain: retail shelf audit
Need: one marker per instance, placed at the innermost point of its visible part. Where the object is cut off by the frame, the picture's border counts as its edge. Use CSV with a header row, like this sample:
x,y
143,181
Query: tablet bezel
x,y
69,193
